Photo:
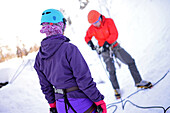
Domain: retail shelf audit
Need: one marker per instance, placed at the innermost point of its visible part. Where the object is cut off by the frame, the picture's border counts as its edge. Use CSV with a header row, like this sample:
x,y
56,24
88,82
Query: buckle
x,y
60,91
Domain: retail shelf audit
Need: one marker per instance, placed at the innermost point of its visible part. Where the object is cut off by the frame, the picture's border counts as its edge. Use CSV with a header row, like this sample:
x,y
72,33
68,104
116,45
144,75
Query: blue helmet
x,y
52,16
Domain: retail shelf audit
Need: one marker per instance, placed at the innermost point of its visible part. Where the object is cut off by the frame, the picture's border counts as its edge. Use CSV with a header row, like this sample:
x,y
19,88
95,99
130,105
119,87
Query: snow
x,y
144,31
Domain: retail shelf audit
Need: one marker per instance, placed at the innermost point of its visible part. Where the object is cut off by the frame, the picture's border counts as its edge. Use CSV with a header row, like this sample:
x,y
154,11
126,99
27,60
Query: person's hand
x,y
99,50
53,108
101,106
90,43
106,46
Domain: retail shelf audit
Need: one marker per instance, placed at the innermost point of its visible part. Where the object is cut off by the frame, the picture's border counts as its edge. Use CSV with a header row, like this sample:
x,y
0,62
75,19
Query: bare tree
x,y
67,17
2,58
83,3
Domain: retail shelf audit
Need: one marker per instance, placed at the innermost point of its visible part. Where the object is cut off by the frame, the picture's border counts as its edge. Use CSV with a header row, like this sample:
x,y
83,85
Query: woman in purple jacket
x,y
64,76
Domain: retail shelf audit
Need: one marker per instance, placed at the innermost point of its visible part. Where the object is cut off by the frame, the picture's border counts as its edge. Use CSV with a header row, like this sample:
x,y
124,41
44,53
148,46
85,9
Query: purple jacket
x,y
60,64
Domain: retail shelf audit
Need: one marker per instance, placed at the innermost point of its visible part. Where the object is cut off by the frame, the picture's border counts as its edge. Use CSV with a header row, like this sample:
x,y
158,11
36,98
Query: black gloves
x,y
106,46
53,110
90,43
99,109
99,50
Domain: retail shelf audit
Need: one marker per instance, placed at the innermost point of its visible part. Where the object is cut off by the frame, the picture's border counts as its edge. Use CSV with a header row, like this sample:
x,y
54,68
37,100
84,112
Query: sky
x,y
144,32
20,20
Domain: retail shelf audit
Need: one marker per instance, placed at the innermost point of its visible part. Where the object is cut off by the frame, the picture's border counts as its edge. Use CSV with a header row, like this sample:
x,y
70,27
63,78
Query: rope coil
x,y
123,104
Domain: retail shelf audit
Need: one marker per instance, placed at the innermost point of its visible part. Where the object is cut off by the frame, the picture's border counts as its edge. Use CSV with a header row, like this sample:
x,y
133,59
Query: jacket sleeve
x,y
46,86
82,74
89,35
113,31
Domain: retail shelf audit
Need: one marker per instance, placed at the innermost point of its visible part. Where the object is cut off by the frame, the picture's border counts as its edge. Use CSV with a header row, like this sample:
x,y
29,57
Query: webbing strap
x,y
67,102
91,108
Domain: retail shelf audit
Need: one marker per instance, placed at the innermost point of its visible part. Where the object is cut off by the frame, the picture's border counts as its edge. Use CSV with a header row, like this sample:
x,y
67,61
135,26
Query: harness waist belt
x,y
114,43
62,91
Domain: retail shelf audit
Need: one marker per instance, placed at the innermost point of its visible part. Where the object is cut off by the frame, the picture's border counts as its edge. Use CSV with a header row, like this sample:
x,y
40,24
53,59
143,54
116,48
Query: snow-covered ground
x,y
144,31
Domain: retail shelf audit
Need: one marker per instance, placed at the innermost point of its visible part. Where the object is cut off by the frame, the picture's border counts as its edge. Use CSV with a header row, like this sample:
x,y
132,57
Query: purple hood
x,y
60,64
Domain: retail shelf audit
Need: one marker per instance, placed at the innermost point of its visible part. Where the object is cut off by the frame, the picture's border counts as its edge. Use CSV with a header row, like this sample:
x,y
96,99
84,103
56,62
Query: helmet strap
x,y
101,16
64,21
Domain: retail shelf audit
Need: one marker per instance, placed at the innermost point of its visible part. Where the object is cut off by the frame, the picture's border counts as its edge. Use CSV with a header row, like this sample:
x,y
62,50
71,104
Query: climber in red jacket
x,y
105,32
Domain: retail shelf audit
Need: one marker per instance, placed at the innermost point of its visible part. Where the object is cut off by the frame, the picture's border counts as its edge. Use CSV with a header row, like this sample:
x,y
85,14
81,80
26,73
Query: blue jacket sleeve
x,y
82,74
46,86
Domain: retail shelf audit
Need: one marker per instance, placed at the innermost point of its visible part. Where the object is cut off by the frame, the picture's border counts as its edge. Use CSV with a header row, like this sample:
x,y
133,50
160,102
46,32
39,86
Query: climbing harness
x,y
66,101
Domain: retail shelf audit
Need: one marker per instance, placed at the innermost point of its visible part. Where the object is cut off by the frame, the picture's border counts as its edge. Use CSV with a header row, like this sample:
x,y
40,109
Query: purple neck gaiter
x,y
52,29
